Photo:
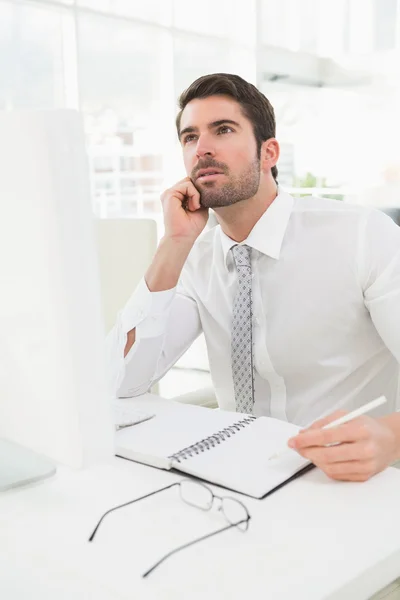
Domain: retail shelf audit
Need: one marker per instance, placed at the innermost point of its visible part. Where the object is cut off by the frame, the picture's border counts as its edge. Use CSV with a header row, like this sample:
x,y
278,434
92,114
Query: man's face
x,y
219,151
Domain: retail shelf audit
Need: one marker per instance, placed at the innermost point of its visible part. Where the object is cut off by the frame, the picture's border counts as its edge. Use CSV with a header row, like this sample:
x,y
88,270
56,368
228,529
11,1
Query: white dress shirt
x,y
326,312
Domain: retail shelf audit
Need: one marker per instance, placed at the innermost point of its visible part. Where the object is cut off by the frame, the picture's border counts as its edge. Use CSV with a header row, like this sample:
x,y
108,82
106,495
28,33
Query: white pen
x,y
349,417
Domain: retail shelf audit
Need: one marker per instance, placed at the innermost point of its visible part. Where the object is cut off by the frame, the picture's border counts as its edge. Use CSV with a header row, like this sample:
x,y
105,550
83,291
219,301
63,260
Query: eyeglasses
x,y
200,496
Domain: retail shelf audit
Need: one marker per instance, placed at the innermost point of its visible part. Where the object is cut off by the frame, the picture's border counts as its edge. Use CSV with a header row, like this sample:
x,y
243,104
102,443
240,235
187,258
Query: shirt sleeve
x,y
166,324
380,276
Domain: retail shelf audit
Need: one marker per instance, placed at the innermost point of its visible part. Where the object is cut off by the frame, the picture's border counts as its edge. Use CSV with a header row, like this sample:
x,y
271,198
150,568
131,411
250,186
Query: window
x,y
31,64
153,11
195,56
128,111
235,21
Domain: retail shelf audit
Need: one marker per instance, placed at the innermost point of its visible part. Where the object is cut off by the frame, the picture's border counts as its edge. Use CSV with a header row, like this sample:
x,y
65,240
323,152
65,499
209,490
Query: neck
x,y
239,219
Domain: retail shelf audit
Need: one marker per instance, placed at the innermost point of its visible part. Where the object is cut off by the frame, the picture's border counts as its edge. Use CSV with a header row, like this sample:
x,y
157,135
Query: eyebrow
x,y
212,125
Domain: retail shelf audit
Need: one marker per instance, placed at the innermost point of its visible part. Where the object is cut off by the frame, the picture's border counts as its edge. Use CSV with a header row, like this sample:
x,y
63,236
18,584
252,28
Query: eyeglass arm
x,y
200,539
127,504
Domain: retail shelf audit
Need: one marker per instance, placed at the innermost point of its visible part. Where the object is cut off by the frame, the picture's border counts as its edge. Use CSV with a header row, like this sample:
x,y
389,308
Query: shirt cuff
x,y
147,311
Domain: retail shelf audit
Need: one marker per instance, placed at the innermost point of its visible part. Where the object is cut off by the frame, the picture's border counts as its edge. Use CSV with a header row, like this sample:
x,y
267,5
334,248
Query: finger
x,y
353,431
326,420
351,471
193,204
190,192
185,192
182,201
352,477
346,452
360,477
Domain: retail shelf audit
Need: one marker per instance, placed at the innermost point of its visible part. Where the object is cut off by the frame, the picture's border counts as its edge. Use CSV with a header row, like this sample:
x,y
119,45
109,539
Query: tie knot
x,y
242,255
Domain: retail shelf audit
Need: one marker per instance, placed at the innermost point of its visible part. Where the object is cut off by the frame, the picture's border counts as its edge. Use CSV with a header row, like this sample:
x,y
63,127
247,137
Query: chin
x,y
215,202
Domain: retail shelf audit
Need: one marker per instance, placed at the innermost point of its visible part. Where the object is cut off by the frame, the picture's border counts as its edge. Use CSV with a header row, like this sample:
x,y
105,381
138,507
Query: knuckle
x,y
167,194
369,450
364,429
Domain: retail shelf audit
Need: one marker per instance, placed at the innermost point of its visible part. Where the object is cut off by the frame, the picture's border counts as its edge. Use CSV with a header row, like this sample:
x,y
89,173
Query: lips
x,y
208,172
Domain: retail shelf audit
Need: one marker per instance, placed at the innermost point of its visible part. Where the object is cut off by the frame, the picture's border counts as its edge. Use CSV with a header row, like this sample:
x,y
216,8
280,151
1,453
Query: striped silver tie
x,y
242,332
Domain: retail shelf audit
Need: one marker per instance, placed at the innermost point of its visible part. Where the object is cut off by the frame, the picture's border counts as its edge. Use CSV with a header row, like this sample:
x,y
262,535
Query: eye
x,y
225,129
189,138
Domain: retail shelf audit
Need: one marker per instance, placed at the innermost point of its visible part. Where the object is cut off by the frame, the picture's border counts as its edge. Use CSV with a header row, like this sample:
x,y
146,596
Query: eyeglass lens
x,y
198,495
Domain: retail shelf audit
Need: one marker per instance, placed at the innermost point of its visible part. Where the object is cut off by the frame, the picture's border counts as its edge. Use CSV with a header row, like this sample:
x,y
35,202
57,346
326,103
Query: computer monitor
x,y
53,396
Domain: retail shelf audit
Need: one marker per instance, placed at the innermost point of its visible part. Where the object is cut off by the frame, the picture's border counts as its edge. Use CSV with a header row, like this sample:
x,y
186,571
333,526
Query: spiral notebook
x,y
226,448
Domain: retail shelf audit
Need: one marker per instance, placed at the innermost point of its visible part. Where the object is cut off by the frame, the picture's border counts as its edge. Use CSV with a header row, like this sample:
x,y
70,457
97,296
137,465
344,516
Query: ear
x,y
269,154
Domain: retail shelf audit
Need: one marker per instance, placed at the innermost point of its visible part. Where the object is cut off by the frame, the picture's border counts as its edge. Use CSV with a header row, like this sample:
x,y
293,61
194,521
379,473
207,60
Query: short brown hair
x,y
255,106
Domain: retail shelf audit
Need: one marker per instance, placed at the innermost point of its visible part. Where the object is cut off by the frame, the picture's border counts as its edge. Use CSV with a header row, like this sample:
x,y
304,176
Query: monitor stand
x,y
20,466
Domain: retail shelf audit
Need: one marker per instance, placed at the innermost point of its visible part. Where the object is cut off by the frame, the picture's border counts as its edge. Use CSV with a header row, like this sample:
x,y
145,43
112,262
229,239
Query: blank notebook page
x,y
242,461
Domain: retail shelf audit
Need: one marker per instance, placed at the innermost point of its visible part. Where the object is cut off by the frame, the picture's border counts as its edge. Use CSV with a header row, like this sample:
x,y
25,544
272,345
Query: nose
x,y
204,147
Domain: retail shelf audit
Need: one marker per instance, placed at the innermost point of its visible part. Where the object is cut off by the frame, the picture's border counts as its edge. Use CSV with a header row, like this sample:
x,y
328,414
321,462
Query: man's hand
x,y
184,220
362,447
184,217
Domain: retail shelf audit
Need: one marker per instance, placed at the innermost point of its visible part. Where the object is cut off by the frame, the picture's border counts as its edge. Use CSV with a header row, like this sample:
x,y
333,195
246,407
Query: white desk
x,y
314,539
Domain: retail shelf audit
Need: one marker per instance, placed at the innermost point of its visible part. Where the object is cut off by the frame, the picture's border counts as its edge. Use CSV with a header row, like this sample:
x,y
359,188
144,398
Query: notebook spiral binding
x,y
211,441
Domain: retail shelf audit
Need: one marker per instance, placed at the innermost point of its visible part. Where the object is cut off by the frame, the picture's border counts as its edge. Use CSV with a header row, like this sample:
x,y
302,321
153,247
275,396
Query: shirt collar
x,y
268,233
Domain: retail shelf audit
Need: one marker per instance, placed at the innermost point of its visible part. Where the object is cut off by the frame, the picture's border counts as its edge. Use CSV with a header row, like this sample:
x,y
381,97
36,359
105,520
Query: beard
x,y
241,187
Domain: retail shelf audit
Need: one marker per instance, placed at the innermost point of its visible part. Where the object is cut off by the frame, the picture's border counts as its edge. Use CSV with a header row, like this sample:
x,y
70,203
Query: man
x,y
299,299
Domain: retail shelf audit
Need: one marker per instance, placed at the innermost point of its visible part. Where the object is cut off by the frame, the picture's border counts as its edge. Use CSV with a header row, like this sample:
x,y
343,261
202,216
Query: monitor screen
x,y
53,396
